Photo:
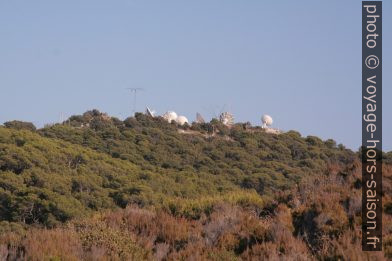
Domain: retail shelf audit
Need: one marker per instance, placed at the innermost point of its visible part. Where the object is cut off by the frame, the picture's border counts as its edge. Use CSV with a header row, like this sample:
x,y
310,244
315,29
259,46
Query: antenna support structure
x,y
134,91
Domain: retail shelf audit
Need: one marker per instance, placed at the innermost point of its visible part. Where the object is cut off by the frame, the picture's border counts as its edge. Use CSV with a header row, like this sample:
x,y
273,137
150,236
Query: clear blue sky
x,y
299,61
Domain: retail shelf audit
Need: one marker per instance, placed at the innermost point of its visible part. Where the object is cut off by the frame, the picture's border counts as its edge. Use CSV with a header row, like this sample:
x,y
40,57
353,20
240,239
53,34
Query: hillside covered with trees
x,y
98,188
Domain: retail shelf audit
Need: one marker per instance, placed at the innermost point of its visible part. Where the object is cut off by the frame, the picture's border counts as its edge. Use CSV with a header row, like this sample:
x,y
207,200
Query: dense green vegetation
x,y
72,172
49,181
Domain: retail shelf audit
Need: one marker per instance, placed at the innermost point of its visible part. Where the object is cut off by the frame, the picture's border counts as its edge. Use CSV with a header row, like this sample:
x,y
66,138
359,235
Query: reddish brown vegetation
x,y
320,219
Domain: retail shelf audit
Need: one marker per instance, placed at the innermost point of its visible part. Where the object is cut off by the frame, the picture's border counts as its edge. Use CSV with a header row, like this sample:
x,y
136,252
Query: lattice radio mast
x,y
134,91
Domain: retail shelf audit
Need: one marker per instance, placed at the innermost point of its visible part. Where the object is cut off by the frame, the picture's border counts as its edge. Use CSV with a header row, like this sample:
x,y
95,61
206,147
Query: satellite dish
x,y
150,112
226,118
181,120
266,120
199,118
170,116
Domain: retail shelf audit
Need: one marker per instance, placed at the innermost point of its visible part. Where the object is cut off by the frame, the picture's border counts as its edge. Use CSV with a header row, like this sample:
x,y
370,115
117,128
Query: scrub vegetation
x,y
98,188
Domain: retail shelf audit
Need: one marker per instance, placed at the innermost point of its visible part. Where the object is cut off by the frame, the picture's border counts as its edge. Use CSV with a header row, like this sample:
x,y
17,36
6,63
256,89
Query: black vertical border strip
x,y
371,236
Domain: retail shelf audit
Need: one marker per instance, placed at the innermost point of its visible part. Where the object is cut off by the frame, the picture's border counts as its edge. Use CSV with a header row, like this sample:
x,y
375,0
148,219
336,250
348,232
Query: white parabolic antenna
x,y
181,120
226,118
170,116
150,112
266,120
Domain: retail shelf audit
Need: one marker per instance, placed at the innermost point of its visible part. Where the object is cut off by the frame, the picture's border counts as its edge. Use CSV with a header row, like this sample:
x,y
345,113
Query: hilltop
x,y
178,191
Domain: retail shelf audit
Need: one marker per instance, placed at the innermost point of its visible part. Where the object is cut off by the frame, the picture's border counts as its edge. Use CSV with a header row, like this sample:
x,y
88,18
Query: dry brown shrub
x,y
348,247
223,221
44,244
175,231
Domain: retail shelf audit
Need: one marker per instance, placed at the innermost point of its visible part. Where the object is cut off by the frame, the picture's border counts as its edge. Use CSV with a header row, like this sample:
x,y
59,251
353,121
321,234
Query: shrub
x,y
20,125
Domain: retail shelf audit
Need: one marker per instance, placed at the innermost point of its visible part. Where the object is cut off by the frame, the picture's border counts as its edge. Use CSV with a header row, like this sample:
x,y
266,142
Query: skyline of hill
x,y
82,180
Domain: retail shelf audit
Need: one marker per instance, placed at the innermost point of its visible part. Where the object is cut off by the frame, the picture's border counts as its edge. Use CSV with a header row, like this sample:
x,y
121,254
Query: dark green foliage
x,y
20,125
237,192
96,162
